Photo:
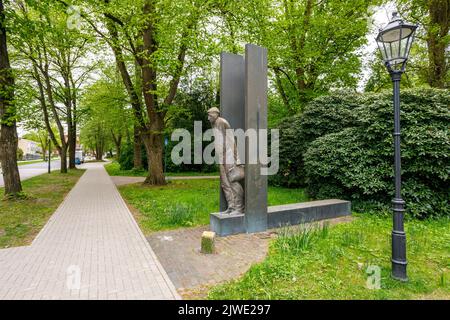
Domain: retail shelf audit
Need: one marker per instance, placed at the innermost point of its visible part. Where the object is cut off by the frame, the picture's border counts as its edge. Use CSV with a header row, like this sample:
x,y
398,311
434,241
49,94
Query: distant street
x,y
34,169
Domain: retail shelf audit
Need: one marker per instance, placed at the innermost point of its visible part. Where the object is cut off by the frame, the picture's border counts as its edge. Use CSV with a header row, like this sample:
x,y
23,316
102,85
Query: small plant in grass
x,y
300,238
17,196
180,215
442,280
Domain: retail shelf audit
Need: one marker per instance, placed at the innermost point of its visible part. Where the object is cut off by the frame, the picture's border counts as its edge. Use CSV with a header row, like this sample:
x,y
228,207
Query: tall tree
x,y
56,57
313,45
433,16
41,137
108,117
157,34
8,131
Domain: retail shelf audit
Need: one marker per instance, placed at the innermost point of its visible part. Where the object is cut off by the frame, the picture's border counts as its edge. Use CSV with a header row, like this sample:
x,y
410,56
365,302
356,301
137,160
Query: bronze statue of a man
x,y
231,169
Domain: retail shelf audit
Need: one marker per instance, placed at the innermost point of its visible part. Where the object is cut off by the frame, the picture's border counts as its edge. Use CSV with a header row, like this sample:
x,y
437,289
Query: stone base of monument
x,y
284,215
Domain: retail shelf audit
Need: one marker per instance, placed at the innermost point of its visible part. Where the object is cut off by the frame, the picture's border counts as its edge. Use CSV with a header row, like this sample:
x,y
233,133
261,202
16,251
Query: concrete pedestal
x,y
284,215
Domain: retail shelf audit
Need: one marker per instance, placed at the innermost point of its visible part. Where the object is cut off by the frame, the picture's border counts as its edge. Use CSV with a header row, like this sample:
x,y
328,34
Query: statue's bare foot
x,y
236,212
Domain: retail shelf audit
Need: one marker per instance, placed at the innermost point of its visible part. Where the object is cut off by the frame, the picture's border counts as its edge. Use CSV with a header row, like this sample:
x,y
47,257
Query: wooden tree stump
x,y
208,242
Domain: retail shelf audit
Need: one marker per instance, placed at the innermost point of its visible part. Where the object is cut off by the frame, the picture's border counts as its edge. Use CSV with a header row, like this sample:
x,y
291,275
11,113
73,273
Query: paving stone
x,y
91,248
193,273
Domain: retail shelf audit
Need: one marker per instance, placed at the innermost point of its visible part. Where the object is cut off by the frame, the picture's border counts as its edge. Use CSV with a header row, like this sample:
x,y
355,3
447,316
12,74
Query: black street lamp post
x,y
394,42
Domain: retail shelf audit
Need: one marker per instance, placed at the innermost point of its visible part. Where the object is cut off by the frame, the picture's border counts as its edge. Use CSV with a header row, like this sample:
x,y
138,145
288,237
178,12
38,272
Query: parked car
x,y
79,157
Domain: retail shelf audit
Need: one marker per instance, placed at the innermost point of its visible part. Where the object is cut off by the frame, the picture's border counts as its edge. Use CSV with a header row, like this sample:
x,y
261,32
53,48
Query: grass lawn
x,y
331,263
21,220
184,203
113,169
22,163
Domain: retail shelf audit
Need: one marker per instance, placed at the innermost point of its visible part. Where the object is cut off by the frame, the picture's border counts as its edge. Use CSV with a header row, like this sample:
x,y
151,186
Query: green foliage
x,y
19,154
106,117
126,159
113,169
356,162
312,46
16,196
430,54
323,115
294,240
181,215
191,104
335,261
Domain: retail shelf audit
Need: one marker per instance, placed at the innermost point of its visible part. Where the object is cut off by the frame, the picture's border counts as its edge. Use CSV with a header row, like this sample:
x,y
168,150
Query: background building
x,y
31,149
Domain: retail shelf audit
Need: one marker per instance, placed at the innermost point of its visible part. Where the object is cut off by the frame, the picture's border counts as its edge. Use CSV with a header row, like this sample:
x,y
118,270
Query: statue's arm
x,y
222,126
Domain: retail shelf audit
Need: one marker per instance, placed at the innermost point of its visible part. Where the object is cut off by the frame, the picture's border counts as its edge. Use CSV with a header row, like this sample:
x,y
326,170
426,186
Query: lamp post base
x,y
399,270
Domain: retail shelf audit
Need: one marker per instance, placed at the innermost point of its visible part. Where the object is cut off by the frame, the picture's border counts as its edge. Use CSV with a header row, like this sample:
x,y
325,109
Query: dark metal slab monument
x,y
255,119
232,99
243,102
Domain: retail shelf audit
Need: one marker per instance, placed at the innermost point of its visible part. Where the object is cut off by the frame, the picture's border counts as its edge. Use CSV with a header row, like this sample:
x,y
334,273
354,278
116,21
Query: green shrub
x,y
324,115
356,163
126,159
19,154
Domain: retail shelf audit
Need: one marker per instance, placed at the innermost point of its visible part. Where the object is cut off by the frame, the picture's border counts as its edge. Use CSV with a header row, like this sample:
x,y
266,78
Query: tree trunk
x,y
298,44
281,90
118,144
63,155
132,91
152,131
438,29
71,140
98,151
8,157
118,147
45,110
152,138
137,153
48,89
8,130
154,147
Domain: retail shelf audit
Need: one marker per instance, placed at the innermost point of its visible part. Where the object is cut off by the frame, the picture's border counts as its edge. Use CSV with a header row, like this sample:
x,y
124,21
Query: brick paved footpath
x,y
91,248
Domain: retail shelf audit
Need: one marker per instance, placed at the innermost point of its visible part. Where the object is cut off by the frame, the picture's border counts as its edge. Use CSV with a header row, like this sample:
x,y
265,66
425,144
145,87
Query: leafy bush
x,y
324,115
356,162
19,154
127,155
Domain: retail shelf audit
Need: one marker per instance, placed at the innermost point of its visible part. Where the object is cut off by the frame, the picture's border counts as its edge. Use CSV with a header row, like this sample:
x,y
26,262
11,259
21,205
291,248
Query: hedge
x,y
322,116
347,150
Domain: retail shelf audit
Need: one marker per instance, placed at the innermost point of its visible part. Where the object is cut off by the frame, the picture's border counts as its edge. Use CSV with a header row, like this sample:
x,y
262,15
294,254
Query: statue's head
x,y
213,114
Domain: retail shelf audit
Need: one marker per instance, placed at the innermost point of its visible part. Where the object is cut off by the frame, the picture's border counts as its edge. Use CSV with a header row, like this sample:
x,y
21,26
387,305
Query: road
x,y
34,169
